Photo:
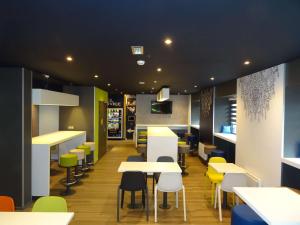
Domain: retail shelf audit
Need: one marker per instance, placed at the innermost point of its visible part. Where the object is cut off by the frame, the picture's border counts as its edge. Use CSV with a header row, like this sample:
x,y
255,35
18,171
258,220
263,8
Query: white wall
x,y
48,119
180,111
260,140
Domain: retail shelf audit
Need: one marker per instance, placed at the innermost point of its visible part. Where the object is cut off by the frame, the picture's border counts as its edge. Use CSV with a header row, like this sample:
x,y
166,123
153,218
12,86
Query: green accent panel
x,y
50,204
68,160
99,95
86,148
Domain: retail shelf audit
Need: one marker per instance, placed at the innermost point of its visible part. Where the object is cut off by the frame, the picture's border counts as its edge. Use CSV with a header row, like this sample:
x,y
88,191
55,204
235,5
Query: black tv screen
x,y
164,107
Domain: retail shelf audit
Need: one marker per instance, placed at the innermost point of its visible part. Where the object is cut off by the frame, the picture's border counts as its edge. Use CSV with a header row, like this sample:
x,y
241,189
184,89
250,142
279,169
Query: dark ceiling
x,y
210,38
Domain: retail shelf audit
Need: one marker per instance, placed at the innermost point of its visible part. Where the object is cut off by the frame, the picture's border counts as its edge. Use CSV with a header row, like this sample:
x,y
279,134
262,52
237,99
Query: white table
x,y
227,168
41,145
275,205
35,218
161,141
150,167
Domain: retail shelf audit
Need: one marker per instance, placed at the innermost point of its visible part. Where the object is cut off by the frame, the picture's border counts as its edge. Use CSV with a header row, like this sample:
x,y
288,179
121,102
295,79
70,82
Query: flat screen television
x,y
164,107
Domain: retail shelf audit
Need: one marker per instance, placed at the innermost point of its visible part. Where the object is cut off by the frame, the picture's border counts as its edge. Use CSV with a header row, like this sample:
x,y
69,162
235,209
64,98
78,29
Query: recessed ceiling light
x,y
195,86
46,76
185,91
141,82
168,41
212,78
116,89
108,84
152,88
143,92
96,76
247,62
137,50
141,62
121,92
155,81
69,58
158,69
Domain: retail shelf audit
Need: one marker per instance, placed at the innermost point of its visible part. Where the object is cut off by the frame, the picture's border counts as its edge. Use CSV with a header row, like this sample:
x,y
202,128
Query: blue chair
x,y
244,215
218,153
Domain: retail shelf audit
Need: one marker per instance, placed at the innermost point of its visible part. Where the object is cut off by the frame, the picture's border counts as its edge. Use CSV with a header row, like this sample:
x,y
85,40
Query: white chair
x,y
170,182
230,180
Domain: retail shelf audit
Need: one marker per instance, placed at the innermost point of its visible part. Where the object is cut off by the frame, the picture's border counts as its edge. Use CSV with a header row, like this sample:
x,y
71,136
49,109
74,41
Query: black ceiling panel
x,y
210,38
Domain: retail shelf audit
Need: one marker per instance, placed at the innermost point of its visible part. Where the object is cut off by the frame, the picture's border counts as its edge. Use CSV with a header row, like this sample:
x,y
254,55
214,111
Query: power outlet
x,y
70,127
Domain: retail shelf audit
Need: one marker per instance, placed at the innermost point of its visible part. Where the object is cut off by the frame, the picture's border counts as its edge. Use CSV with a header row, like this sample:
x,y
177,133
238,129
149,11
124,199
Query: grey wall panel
x,y
195,109
292,110
82,117
179,114
15,134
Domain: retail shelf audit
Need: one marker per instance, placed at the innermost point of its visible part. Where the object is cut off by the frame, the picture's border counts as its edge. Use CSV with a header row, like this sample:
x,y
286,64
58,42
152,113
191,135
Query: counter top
x,y
160,132
162,125
294,162
56,137
227,137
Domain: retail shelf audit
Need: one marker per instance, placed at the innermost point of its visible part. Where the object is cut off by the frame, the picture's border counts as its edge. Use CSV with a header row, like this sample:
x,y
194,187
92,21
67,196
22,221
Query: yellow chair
x,y
214,177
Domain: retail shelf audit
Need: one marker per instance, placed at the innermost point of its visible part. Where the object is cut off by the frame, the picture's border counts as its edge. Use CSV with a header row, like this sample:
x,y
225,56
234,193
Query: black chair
x,y
133,158
156,175
133,181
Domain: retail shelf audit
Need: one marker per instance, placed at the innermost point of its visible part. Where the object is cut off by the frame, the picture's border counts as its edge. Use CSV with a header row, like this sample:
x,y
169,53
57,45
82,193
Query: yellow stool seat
x,y
215,177
181,143
68,160
86,148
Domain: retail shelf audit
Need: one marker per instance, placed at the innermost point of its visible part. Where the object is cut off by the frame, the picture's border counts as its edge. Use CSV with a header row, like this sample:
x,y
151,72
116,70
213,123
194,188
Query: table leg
x,y
165,202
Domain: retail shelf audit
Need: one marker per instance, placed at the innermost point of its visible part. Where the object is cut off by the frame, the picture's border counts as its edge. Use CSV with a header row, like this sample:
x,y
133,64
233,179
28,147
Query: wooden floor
x,y
94,201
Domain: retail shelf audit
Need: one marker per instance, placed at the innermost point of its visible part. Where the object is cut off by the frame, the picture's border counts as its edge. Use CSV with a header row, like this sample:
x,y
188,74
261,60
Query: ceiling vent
x,y
137,50
163,94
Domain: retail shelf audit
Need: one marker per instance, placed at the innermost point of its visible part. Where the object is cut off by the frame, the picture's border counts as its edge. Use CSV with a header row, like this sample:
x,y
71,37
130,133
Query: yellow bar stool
x,y
80,157
87,151
68,161
90,161
214,177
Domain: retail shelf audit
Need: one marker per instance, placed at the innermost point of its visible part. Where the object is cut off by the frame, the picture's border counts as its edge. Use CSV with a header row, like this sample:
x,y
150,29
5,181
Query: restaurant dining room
x,y
149,112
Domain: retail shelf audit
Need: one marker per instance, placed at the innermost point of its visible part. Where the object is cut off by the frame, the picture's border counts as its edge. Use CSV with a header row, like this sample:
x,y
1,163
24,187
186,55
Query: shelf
x,y
294,162
227,137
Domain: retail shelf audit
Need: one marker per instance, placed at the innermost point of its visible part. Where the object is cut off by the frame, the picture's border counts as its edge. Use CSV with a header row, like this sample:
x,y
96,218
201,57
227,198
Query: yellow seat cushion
x,y
215,177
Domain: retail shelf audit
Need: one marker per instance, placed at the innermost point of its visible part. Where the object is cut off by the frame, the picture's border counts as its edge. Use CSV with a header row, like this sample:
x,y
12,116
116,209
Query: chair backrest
x,y
165,159
170,182
215,160
50,204
133,181
7,204
234,180
135,158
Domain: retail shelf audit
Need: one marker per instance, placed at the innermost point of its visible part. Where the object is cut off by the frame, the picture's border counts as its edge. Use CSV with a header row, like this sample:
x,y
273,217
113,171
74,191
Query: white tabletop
x,y
35,218
160,132
275,205
56,137
227,168
150,167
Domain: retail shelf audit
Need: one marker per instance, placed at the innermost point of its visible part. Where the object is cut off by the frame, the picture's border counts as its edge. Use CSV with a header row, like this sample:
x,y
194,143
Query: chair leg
x,y
153,183
143,198
212,192
176,196
155,204
219,200
216,196
122,198
184,203
147,203
118,204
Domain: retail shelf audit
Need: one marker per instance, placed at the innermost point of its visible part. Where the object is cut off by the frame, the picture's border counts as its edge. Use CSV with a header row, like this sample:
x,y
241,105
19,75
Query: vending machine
x,y
115,123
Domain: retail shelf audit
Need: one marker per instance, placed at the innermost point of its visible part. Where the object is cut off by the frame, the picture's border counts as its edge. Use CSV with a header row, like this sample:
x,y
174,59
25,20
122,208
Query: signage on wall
x,y
115,101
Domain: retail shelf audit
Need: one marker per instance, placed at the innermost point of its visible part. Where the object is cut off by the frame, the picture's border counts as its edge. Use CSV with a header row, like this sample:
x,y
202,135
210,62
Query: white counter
x,y
36,218
161,141
294,162
56,137
41,145
227,137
